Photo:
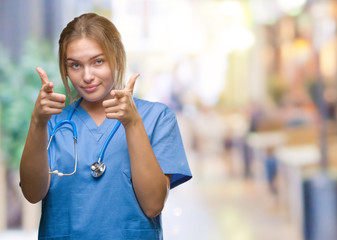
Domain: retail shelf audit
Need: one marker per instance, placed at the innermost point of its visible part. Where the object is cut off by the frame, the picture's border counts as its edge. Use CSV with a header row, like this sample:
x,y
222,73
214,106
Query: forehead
x,y
83,49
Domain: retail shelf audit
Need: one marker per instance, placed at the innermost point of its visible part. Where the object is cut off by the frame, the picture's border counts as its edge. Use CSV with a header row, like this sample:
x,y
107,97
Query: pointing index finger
x,y
47,86
131,84
43,75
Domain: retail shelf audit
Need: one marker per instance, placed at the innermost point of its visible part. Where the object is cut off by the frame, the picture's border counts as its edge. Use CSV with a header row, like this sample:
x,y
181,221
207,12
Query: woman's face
x,y
89,70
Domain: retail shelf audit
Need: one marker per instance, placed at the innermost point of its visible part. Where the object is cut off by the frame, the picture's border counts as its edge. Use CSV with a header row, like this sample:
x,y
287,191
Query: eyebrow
x,y
96,56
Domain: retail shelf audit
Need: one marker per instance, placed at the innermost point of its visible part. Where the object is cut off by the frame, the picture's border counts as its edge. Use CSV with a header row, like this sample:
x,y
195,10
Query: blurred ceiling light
x,y
264,11
231,8
234,35
236,38
292,7
230,34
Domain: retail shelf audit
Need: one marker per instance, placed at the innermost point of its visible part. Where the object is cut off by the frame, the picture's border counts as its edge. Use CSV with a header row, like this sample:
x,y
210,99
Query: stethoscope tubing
x,y
114,130
74,130
98,167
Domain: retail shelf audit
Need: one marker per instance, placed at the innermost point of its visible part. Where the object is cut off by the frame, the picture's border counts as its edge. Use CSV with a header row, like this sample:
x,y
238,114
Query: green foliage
x,y
19,87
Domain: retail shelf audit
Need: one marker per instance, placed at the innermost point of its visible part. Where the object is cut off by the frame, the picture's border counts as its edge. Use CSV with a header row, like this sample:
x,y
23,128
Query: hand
x,y
48,102
121,106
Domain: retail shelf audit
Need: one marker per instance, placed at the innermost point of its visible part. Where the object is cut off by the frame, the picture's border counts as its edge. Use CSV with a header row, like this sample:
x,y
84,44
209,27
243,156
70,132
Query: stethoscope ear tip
x,y
59,174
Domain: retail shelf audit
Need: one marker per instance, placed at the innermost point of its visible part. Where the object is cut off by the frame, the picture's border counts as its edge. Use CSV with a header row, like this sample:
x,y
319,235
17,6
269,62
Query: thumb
x,y
47,86
131,84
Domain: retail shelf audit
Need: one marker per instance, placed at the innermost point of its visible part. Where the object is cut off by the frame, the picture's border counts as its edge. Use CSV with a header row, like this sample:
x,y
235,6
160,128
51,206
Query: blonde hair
x,y
102,31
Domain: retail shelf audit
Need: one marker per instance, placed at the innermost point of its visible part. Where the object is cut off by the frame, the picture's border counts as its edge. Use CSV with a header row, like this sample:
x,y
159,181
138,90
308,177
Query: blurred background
x,y
254,87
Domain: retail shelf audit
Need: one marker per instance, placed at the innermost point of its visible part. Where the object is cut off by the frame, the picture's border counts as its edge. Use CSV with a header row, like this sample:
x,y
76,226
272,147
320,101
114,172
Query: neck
x,y
95,110
92,106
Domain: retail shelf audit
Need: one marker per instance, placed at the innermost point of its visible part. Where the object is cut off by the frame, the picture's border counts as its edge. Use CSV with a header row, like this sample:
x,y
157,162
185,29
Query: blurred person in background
x,y
145,157
270,164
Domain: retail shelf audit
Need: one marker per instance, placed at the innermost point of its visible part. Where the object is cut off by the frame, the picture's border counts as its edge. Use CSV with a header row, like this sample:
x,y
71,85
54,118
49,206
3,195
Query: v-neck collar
x,y
96,131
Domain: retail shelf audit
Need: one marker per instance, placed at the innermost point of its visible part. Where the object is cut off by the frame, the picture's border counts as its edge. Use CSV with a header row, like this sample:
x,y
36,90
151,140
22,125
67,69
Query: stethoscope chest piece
x,y
97,169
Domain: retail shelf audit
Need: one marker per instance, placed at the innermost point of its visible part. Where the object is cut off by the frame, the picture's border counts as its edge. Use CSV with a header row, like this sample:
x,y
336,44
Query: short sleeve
x,y
168,147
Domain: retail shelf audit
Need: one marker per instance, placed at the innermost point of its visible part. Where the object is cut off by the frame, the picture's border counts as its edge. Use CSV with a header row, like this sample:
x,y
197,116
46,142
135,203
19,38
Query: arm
x,y
34,169
150,184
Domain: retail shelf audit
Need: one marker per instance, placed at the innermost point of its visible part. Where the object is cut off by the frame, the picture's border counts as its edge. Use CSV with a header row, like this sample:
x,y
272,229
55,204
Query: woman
x,y
143,159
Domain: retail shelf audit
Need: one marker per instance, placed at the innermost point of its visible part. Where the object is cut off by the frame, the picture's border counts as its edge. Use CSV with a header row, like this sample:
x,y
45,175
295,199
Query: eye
x,y
99,61
75,65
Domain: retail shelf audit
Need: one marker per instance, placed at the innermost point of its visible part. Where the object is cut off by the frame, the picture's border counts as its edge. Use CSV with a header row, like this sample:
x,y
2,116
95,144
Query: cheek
x,y
74,78
108,76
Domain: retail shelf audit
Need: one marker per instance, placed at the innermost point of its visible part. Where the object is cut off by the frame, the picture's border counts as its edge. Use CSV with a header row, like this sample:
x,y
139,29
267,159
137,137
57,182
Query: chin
x,y
94,97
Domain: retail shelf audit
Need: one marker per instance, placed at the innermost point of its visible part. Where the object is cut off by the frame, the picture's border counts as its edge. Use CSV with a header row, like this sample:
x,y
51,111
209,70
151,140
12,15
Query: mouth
x,y
90,88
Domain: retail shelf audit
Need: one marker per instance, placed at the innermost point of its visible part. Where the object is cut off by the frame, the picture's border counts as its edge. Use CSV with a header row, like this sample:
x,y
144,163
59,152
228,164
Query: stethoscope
x,y
97,168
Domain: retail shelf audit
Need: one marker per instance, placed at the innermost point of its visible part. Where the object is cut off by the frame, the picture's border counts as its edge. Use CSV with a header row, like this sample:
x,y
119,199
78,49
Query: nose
x,y
88,75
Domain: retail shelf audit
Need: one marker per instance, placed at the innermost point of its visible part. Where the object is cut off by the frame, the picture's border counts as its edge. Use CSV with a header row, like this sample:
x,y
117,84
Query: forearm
x,y
34,169
150,184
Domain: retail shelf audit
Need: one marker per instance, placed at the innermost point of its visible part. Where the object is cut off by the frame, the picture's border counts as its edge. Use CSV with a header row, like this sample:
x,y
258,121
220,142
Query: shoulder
x,y
158,109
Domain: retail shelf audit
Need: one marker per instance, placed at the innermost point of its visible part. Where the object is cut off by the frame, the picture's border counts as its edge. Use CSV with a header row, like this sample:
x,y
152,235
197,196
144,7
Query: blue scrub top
x,y
82,207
